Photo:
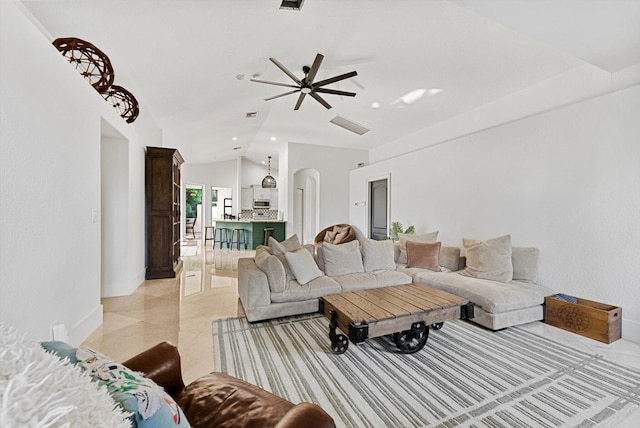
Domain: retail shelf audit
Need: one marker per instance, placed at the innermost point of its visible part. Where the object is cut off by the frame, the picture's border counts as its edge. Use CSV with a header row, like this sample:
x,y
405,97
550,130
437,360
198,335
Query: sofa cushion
x,y
381,278
490,259
404,237
303,265
342,259
272,267
223,401
423,255
296,292
525,263
377,255
492,296
449,258
279,249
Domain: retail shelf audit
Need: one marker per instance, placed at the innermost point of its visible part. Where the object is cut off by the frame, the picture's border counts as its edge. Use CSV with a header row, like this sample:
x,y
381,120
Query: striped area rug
x,y
464,376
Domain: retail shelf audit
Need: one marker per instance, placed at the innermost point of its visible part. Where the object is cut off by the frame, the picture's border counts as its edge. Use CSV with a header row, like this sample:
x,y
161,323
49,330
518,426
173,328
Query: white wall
x,y
566,181
334,165
50,186
253,173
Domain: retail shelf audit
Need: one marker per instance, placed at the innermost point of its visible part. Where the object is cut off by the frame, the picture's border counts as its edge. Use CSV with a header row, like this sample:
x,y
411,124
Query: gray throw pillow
x,y
377,255
303,265
342,259
525,263
490,259
272,267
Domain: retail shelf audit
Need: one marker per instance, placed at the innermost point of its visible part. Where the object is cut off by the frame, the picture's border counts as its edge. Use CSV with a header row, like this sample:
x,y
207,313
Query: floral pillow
x,y
150,406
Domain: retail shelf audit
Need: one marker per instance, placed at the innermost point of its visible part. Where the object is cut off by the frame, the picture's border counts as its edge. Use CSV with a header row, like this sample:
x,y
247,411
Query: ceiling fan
x,y
306,85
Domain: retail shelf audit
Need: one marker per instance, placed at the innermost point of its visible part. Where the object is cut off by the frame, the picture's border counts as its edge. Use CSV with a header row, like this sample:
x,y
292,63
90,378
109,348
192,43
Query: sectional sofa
x,y
505,293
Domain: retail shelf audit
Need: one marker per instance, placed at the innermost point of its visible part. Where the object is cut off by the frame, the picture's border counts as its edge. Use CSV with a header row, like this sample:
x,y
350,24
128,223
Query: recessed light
x,y
273,138
375,104
235,138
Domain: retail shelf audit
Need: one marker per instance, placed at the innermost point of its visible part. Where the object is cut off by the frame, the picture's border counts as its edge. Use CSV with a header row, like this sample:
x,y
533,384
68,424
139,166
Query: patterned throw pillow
x,y
150,406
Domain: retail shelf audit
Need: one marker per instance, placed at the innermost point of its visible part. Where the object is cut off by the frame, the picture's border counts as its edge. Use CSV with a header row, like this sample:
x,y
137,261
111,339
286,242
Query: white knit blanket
x,y
38,390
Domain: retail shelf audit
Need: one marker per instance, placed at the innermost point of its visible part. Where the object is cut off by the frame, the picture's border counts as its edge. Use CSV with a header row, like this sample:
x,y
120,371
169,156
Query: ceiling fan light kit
x,y
306,85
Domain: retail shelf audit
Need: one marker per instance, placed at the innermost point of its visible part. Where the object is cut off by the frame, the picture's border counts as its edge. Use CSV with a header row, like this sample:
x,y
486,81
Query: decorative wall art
x,y
96,67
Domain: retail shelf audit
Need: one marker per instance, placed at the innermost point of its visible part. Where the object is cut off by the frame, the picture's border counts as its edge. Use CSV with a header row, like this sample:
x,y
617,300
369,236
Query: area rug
x,y
464,376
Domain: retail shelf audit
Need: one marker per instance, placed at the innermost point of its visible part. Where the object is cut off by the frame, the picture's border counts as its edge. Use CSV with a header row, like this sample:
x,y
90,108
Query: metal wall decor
x,y
90,61
123,101
96,67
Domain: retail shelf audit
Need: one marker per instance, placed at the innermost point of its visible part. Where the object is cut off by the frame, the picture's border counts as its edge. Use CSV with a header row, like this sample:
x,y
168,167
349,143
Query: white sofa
x,y
498,305
266,292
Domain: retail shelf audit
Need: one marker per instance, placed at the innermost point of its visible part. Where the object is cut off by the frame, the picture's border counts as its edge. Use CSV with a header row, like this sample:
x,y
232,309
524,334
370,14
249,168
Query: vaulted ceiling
x,y
188,62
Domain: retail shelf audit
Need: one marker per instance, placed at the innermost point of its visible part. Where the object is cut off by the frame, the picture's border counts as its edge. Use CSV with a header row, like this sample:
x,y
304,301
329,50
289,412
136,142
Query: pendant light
x,y
269,182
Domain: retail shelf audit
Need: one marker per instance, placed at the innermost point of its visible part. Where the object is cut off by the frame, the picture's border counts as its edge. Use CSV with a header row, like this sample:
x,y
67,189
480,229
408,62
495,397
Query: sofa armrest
x,y
253,287
161,364
306,415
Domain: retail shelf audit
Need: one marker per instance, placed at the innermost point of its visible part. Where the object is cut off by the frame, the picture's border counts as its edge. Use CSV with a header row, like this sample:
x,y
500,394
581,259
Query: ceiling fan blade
x,y
282,95
335,92
286,71
274,83
320,100
314,68
300,98
335,79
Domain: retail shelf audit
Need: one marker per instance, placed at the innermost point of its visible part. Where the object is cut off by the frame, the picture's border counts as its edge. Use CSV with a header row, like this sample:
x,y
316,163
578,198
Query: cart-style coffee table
x,y
406,311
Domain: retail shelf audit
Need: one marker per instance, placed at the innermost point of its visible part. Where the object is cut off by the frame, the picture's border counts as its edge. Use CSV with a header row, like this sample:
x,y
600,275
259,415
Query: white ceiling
x,y
181,59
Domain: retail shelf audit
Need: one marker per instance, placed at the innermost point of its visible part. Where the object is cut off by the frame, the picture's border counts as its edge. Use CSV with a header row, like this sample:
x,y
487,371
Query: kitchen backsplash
x,y
270,214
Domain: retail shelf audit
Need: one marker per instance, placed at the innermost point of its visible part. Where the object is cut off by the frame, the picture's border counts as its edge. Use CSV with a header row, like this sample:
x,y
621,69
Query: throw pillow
x,y
342,259
377,255
279,249
490,259
404,237
423,255
148,404
525,263
38,389
272,267
303,265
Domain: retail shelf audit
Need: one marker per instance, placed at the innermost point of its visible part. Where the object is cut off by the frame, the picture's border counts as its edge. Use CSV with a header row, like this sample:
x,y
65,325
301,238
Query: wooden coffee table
x,y
406,311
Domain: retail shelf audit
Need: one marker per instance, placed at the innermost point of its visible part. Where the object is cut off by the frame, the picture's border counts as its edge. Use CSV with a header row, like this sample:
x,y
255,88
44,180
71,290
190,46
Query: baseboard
x,y
631,330
84,328
137,280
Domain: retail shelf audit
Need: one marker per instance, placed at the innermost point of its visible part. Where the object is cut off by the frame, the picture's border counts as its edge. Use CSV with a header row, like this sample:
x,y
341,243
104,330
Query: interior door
x,y
378,221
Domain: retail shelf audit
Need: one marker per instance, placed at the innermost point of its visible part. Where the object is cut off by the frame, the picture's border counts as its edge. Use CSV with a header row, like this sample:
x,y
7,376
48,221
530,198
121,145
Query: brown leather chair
x,y
223,401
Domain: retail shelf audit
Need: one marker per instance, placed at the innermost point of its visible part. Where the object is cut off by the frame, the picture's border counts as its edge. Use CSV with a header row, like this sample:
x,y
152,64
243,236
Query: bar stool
x,y
238,237
208,237
268,231
221,235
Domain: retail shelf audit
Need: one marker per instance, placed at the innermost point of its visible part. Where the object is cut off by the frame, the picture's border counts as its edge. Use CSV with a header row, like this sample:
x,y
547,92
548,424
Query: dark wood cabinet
x,y
162,190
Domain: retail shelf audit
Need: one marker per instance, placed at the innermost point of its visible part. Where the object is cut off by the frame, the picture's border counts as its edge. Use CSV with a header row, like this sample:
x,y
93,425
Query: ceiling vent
x,y
349,125
291,4
252,114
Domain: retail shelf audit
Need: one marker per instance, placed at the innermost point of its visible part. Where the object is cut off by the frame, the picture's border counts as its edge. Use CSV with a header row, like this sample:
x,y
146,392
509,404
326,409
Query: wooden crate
x,y
594,320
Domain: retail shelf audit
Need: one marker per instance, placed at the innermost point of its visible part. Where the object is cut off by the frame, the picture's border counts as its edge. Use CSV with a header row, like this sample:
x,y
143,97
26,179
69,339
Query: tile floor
x,y
180,311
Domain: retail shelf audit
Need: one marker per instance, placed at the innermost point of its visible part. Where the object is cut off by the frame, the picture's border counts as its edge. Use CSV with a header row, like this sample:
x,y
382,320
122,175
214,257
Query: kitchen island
x,y
253,229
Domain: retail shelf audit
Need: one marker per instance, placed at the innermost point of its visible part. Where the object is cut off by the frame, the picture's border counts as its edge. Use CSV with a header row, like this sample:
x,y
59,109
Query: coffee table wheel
x,y
410,341
437,326
339,344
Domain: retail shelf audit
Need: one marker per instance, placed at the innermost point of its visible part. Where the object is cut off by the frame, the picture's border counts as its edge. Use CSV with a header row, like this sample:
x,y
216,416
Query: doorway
x,y
379,209
306,204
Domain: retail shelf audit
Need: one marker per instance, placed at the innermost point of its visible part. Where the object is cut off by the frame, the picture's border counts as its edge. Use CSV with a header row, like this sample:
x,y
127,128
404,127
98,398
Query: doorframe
x,y
368,217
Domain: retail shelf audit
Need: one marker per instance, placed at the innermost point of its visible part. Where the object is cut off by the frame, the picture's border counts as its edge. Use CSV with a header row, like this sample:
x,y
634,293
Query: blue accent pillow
x,y
150,406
